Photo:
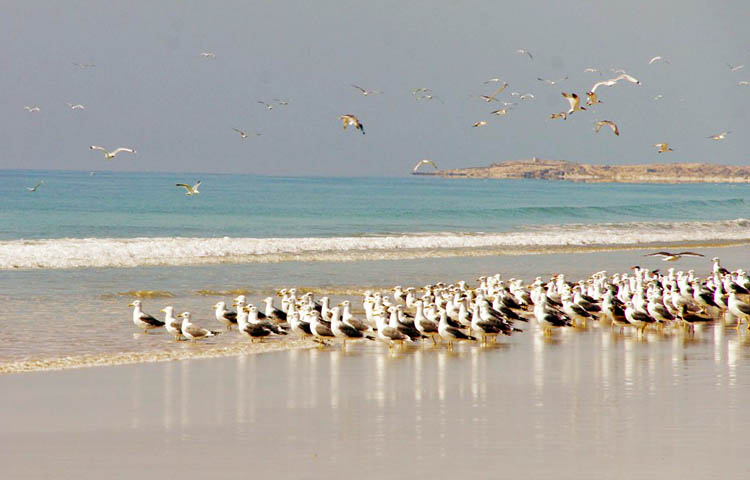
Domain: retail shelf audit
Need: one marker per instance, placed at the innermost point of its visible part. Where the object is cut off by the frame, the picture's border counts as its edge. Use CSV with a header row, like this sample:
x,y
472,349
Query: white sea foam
x,y
132,252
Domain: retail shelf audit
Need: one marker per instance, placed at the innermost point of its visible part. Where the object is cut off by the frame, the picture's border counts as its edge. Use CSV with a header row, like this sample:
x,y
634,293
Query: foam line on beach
x,y
127,358
160,251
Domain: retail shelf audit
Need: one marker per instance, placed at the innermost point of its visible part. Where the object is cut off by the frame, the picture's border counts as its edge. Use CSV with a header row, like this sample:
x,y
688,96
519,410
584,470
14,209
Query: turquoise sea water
x,y
129,205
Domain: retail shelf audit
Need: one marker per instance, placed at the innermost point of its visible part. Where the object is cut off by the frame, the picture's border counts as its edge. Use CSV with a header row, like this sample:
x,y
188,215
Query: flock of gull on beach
x,y
446,314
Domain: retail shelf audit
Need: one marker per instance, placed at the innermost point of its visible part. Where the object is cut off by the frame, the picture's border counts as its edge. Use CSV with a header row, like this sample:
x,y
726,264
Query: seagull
x,y
350,119
489,98
33,189
502,111
671,257
76,106
551,82
428,96
424,162
242,134
590,70
366,92
613,81
608,123
84,65
209,55
734,68
192,331
171,323
268,105
492,80
32,109
526,95
420,90
658,96
521,51
110,155
663,147
227,317
574,101
743,83
190,190
144,320
562,115
719,136
281,102
481,123
657,59
592,98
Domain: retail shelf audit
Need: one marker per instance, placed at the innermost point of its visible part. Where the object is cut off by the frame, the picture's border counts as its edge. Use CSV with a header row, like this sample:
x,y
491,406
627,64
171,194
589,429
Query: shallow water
x,y
584,404
83,313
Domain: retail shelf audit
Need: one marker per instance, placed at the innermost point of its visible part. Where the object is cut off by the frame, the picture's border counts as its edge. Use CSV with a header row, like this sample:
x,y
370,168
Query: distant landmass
x,y
579,172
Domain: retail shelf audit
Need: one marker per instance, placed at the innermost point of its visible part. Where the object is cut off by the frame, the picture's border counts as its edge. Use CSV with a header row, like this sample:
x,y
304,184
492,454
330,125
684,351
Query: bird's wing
x,y
359,88
238,130
691,254
629,78
196,331
97,147
187,187
654,59
198,184
122,149
659,254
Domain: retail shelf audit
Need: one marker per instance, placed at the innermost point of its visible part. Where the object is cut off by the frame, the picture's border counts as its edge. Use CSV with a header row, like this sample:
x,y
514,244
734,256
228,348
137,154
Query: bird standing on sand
x,y
194,332
191,190
663,147
608,123
110,155
350,119
671,257
144,320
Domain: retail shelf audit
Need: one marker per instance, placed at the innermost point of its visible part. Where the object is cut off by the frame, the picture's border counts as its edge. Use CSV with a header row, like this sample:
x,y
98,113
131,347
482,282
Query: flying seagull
x,y
32,109
663,147
590,70
76,106
551,82
366,92
209,55
267,105
502,111
592,99
562,115
574,101
281,102
521,51
608,123
719,136
743,83
489,98
190,190
734,68
110,155
84,65
350,119
242,134
658,58
613,81
492,80
33,189
481,123
424,162
671,257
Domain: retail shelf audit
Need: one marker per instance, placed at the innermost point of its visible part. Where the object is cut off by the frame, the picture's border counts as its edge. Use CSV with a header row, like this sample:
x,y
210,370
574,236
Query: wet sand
x,y
585,404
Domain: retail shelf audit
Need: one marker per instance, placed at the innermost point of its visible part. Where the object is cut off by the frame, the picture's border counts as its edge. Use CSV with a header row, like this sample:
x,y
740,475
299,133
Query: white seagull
x,y
33,189
424,162
144,320
671,257
76,106
551,82
719,136
32,109
192,331
366,92
734,68
658,58
609,124
521,51
210,55
613,81
110,155
574,101
191,190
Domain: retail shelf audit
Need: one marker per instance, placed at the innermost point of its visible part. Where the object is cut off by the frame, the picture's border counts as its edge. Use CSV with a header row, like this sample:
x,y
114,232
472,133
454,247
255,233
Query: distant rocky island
x,y
537,168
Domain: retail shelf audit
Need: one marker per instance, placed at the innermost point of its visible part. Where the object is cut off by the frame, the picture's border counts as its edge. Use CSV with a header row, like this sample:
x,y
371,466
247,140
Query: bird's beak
x,y
163,310
131,305
179,315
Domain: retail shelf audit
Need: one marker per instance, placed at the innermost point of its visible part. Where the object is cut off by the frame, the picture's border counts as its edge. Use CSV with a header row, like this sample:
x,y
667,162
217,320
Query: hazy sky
x,y
151,90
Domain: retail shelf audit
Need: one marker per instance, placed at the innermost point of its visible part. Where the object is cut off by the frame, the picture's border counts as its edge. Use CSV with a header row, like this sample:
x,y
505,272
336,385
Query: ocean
x,y
77,220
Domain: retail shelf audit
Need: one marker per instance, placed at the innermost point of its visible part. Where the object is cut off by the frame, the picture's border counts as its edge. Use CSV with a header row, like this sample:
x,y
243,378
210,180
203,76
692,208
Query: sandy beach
x,y
597,403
